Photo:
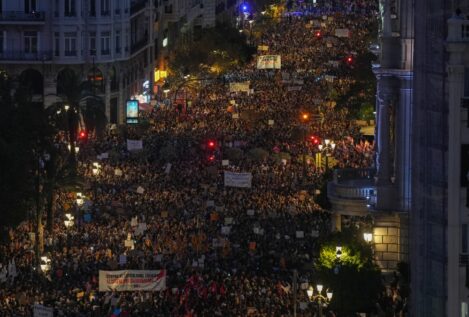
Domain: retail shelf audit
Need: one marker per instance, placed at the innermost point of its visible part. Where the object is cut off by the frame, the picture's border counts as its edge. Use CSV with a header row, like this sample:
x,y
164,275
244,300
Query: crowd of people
x,y
225,250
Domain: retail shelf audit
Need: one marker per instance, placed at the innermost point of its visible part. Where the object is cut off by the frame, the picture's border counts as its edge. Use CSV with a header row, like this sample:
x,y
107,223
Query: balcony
x,y
70,53
137,5
22,56
139,45
458,29
18,16
351,190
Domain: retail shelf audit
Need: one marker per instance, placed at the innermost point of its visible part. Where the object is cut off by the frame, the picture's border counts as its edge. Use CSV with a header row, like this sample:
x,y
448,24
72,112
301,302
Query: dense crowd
x,y
226,250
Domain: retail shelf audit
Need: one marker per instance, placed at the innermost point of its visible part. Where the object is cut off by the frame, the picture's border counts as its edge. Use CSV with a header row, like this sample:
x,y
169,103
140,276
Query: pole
x,y
38,210
327,160
304,156
295,288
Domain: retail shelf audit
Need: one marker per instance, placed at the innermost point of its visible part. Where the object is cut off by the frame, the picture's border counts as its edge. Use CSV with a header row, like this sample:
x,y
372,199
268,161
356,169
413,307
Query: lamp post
x,y
327,148
250,31
96,170
368,237
318,298
79,203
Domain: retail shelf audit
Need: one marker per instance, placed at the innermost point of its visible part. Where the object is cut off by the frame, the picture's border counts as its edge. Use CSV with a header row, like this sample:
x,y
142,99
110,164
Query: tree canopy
x,y
215,50
353,277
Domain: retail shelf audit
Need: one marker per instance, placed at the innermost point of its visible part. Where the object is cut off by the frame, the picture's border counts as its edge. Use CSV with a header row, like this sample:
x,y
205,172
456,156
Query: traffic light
x,y
211,144
82,135
314,140
349,60
317,34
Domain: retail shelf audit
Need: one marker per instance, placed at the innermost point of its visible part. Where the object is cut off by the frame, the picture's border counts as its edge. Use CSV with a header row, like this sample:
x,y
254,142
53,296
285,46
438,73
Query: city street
x,y
214,203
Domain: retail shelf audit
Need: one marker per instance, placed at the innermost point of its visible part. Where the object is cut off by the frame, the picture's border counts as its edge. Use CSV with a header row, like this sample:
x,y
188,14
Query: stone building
x,y
107,41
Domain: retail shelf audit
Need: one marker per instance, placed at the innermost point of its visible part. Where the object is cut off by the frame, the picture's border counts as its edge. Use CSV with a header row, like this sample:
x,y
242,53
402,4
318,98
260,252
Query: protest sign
x,y
269,62
134,145
42,311
132,280
242,180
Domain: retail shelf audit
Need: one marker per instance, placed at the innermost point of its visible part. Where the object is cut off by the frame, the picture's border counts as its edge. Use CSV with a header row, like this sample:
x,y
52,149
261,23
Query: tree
x,y
77,105
353,277
215,49
58,176
16,176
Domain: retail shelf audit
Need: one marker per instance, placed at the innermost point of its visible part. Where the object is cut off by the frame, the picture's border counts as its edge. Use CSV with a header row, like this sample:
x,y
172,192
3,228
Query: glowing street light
x,y
368,237
319,298
338,252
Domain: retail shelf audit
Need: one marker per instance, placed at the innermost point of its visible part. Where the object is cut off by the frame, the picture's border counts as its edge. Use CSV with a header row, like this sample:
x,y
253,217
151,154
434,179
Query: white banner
x,y
132,280
238,179
269,62
342,32
240,86
134,145
42,311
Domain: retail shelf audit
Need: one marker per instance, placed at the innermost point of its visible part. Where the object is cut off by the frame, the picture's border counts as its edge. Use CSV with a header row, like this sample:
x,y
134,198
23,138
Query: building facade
x,y
109,42
384,193
440,141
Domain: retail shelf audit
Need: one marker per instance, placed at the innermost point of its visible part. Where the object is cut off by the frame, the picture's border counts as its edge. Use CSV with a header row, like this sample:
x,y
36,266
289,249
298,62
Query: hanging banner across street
x,y
242,180
132,280
269,62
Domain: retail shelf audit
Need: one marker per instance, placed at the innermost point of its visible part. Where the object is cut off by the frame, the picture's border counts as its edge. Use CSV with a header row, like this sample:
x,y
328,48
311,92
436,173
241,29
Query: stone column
x,y
403,157
386,101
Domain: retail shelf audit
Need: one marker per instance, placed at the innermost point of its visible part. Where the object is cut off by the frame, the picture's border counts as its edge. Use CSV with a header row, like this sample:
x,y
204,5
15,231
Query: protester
x,y
226,250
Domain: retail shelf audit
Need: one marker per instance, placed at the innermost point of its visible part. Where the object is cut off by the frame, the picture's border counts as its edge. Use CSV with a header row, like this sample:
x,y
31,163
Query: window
x,y
118,41
105,8
92,43
92,8
117,7
69,8
1,39
168,9
105,41
29,6
56,8
30,42
70,44
57,44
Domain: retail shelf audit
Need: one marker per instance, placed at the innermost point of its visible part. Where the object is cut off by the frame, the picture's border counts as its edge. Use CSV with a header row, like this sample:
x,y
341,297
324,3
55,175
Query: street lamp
x,y
68,222
77,149
338,252
368,237
45,264
96,168
327,148
319,299
304,119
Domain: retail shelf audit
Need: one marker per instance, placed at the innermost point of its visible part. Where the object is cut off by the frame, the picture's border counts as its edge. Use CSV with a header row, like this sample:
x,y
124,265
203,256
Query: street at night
x,y
224,158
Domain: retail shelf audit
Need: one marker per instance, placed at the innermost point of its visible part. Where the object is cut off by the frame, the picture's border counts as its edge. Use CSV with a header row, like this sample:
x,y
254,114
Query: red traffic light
x,y
349,59
211,144
211,158
314,139
317,34
82,135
